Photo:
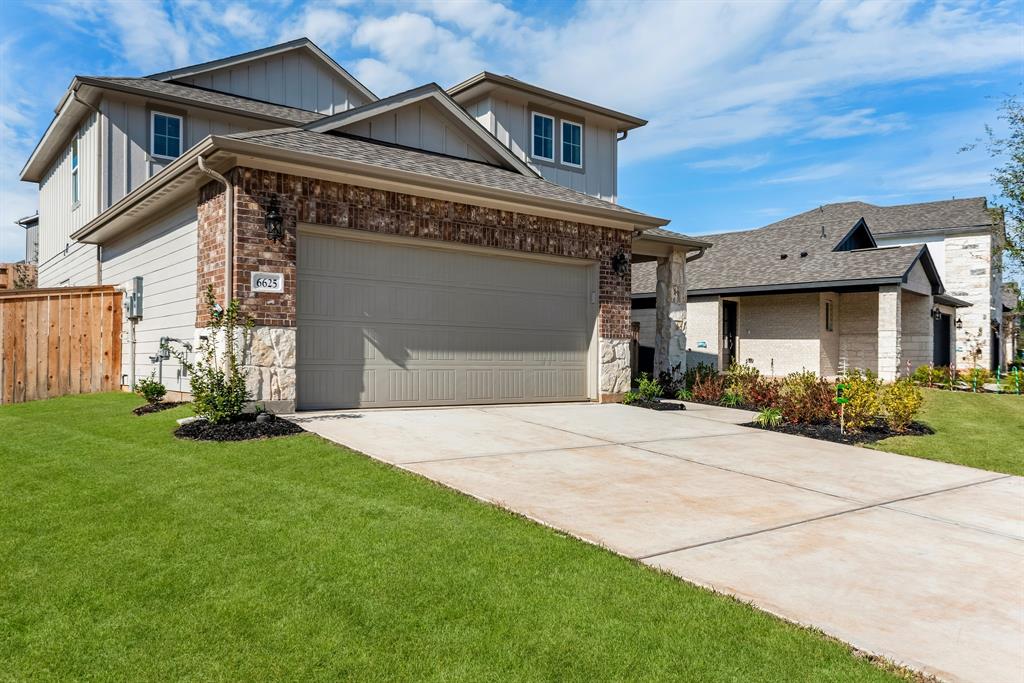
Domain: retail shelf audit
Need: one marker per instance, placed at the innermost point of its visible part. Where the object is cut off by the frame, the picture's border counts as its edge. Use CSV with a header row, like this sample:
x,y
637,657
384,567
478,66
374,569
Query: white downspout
x,y
229,221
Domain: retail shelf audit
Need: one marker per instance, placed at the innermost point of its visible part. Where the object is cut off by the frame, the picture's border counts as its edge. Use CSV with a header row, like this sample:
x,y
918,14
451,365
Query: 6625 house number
x,y
267,282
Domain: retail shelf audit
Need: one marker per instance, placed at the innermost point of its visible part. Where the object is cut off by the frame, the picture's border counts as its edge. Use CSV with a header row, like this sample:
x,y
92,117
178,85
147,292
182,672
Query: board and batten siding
x,y
294,79
420,126
164,253
59,216
508,120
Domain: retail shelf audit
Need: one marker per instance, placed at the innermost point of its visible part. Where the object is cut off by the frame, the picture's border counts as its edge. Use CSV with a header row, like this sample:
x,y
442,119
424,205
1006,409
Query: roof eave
x,y
787,287
631,122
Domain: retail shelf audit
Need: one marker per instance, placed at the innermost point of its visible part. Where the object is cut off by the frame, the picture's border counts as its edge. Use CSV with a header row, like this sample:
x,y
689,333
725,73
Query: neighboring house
x,y
1013,317
813,292
31,226
397,251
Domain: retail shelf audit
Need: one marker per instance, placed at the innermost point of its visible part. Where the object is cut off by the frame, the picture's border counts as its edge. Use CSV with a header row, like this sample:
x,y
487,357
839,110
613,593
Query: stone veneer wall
x,y
969,276
308,200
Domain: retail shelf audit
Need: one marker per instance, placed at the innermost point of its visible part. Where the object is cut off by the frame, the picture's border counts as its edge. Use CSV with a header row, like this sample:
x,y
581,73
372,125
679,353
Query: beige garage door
x,y
403,324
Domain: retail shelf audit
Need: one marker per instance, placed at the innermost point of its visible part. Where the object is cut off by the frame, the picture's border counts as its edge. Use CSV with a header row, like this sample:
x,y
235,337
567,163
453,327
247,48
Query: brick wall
x,y
917,330
307,200
858,330
779,333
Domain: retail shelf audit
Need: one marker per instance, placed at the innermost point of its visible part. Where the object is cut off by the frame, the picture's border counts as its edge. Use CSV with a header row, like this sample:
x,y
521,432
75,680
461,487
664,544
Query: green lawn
x,y
128,555
979,430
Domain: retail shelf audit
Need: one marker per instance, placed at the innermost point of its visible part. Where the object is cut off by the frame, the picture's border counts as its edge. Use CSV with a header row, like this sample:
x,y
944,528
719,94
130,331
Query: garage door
x,y
401,324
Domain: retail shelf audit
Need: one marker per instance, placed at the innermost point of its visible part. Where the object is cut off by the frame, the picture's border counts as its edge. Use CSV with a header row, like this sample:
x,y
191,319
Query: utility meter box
x,y
133,298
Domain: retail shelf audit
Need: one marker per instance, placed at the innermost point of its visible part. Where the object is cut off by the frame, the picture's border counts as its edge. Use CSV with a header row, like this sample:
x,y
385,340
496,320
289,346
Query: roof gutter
x,y
229,223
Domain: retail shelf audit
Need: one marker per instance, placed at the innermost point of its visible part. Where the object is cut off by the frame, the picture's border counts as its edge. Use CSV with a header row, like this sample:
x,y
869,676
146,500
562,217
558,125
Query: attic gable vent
x,y
783,256
803,254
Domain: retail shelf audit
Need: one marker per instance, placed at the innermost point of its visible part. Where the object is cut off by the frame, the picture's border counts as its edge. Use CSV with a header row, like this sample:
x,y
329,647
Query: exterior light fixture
x,y
936,313
274,221
620,262
959,324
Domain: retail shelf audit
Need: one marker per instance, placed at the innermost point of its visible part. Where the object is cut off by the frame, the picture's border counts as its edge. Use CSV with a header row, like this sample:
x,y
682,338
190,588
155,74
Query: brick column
x,y
670,315
889,334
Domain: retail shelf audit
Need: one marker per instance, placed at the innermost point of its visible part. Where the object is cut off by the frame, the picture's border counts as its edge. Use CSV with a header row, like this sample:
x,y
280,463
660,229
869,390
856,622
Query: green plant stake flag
x,y
842,401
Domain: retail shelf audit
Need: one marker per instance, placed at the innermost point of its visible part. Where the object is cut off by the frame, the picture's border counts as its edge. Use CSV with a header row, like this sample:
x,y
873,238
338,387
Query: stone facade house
x,y
814,292
428,248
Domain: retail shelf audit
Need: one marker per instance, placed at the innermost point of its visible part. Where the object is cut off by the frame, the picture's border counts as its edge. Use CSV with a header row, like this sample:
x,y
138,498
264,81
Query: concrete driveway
x,y
917,561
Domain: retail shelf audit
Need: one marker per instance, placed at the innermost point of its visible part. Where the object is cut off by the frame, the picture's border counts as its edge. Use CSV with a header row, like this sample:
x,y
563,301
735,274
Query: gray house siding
x,y
294,79
164,254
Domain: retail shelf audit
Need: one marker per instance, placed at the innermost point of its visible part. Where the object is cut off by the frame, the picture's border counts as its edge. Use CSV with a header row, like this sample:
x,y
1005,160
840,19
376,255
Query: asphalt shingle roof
x,y
202,96
753,258
416,161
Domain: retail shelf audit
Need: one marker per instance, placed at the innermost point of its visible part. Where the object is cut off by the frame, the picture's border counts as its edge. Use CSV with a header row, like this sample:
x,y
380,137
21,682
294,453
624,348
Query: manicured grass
x,y
128,555
978,430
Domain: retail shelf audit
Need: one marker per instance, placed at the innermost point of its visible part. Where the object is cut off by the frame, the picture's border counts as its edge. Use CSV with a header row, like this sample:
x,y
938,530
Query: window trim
x,y
75,152
152,133
533,134
561,145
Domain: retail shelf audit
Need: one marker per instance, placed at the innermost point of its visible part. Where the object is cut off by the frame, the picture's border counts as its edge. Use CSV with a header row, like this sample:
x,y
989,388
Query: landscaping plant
x,y
762,392
804,398
150,389
648,389
709,388
219,393
699,370
731,400
864,399
741,379
630,397
902,401
684,395
930,375
768,418
672,380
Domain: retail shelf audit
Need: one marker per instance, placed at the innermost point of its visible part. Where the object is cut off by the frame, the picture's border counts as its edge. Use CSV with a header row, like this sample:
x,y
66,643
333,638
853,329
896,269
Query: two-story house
x,y
426,248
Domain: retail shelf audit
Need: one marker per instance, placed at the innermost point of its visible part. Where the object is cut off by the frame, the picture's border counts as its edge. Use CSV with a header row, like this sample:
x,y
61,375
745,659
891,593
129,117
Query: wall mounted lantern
x,y
936,313
620,262
274,221
959,324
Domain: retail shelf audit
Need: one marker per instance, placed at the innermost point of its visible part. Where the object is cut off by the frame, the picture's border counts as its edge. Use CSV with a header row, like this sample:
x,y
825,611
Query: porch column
x,y
670,314
889,336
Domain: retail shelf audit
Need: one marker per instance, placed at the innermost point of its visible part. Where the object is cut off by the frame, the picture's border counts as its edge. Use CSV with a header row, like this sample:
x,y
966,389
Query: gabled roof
x,y
234,60
952,215
433,93
485,81
785,256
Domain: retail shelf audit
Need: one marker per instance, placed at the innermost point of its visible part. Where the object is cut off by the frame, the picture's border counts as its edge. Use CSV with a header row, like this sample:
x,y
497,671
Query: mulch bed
x,y
658,405
830,432
243,429
157,407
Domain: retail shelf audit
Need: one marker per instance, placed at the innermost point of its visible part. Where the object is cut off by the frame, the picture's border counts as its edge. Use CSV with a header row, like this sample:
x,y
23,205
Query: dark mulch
x,y
157,407
830,431
244,428
658,405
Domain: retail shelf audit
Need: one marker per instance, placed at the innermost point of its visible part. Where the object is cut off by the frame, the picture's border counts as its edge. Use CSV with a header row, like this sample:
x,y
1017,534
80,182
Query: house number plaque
x,y
267,282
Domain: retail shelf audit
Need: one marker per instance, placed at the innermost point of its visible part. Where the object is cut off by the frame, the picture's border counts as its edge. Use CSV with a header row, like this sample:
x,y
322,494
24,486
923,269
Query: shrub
x,y
769,418
709,388
930,375
763,392
902,401
976,376
741,379
864,399
684,395
731,400
648,389
697,371
150,389
630,397
219,393
804,398
672,381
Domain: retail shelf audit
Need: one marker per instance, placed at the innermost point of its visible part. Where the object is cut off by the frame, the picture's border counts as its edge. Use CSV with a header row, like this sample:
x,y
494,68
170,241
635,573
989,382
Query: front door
x,y
729,327
941,340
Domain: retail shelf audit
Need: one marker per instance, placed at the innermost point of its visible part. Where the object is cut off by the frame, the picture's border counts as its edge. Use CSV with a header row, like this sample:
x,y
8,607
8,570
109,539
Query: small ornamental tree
x,y
219,392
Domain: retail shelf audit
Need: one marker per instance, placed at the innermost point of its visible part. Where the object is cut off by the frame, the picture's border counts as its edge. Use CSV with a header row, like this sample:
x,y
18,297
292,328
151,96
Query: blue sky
x,y
758,110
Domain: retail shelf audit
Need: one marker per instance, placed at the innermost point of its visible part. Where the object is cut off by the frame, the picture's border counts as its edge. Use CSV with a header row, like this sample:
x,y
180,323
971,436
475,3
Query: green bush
x,y
769,418
804,398
684,395
741,380
630,397
864,399
902,401
975,377
930,375
150,389
648,389
731,400
219,393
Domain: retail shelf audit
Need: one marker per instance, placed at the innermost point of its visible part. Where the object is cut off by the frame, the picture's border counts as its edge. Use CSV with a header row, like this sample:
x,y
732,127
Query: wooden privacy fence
x,y
59,341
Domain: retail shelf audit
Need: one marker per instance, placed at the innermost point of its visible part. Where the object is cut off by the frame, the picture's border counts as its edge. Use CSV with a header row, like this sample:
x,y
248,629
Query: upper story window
x,y
543,137
572,143
74,170
166,135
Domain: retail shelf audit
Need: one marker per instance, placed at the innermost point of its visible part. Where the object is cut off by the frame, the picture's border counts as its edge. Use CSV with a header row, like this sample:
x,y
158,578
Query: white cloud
x,y
745,162
809,174
381,78
327,26
864,121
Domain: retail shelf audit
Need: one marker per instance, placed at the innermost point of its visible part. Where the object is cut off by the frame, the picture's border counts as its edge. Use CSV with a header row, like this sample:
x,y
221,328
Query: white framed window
x,y
572,143
165,135
543,133
74,170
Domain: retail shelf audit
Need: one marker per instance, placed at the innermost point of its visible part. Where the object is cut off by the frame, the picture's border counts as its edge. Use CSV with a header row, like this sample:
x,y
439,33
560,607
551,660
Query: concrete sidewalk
x,y
917,561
